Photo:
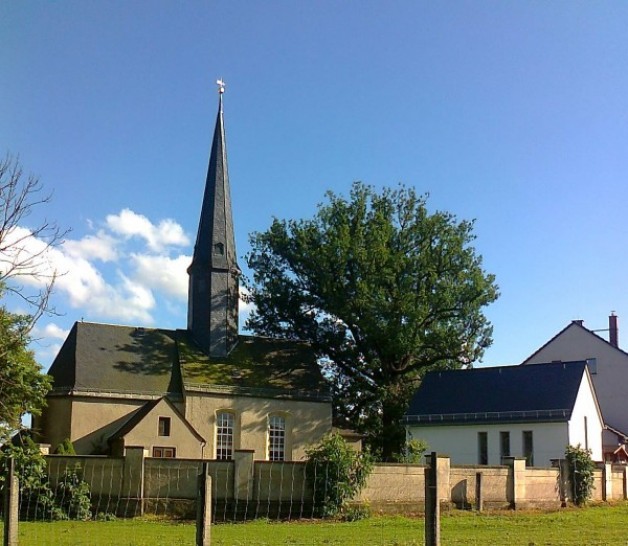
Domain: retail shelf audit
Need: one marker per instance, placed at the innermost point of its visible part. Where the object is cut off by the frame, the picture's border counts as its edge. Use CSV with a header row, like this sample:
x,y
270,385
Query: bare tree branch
x,y
25,249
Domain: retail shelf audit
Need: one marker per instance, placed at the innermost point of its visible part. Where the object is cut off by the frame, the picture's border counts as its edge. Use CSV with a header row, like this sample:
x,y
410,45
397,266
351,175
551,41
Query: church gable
x,y
160,429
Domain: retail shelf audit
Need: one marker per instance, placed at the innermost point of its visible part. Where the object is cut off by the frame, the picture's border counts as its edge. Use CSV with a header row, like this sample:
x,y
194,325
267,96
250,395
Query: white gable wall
x,y
585,413
460,442
611,377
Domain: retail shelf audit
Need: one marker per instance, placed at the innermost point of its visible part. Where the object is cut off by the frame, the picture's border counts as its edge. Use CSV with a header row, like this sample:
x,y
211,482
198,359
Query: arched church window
x,y
224,435
219,248
276,438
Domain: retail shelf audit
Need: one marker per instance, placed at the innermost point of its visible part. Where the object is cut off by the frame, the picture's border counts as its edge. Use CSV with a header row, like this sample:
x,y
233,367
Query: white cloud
x,y
116,273
244,306
101,246
164,274
54,331
130,224
24,257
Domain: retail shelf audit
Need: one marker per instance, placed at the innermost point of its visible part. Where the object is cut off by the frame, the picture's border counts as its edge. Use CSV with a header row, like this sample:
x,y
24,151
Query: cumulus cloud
x,y
130,224
83,286
54,331
162,273
116,273
101,246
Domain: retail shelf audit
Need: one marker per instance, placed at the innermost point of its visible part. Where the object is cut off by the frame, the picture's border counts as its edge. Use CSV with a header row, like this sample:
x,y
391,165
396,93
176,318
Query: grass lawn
x,y
595,525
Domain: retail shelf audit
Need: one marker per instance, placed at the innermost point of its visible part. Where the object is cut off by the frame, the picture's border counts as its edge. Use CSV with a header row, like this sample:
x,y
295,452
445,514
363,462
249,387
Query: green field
x,y
590,526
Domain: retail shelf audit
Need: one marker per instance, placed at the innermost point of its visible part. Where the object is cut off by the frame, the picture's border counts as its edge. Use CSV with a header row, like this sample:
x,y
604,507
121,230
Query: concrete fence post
x,y
607,482
565,481
243,474
516,481
11,505
204,507
133,481
625,483
479,495
432,503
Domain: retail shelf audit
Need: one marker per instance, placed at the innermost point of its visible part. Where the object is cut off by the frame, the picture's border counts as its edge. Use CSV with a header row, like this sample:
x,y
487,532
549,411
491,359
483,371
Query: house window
x,y
164,426
504,444
276,438
165,452
528,447
586,433
224,435
483,447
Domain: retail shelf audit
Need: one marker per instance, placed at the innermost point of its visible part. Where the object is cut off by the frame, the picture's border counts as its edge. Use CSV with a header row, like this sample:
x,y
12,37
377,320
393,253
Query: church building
x,y
199,392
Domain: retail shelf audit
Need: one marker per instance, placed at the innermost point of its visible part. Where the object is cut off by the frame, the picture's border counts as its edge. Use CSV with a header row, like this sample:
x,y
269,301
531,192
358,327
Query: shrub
x,y
412,452
105,516
581,468
72,496
65,448
336,473
69,499
36,499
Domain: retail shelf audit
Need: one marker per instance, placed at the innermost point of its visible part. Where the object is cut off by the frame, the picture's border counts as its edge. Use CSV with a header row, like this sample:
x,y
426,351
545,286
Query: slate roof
x,y
216,222
103,358
109,358
536,392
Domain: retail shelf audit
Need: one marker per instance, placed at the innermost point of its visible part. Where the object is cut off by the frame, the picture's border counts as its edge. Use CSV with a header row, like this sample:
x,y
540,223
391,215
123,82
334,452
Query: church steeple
x,y
213,284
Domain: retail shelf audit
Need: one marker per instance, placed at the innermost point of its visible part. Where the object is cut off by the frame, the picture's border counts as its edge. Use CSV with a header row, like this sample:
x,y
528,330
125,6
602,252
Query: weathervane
x,y
221,86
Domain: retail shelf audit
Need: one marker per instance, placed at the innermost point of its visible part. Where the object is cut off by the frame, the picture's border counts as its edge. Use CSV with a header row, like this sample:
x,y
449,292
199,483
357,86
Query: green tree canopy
x,y
23,386
383,290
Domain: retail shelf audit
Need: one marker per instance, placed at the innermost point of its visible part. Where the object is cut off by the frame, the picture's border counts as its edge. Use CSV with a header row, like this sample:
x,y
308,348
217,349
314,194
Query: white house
x,y
479,416
608,366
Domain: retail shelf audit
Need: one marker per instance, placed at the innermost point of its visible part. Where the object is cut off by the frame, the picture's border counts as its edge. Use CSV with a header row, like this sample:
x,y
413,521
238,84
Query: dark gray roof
x,y
216,221
536,392
108,359
105,357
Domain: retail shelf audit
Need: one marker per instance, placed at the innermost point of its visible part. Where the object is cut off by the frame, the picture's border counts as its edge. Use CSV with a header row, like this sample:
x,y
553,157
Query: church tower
x,y
213,285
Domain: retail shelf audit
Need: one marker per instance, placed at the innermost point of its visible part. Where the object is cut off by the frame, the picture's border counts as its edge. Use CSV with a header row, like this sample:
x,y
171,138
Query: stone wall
x,y
395,488
244,488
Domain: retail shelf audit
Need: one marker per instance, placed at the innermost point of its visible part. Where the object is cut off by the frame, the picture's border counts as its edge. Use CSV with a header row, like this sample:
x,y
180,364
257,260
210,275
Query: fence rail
x,y
154,489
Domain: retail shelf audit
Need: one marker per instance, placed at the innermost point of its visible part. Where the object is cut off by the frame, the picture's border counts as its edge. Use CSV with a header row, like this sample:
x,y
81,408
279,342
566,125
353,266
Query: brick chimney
x,y
613,331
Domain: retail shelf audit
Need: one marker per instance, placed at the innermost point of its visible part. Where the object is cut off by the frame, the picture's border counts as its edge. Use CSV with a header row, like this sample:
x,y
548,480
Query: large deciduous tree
x,y
26,274
383,290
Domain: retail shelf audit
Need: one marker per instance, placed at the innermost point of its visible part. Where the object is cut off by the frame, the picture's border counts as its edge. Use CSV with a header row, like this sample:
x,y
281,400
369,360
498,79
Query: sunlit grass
x,y
594,525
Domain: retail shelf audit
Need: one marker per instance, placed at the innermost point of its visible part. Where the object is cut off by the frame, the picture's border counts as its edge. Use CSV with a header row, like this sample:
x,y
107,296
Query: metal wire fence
x,y
137,500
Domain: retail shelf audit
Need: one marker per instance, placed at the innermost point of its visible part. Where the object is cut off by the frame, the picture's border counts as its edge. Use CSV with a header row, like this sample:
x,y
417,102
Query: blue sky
x,y
513,113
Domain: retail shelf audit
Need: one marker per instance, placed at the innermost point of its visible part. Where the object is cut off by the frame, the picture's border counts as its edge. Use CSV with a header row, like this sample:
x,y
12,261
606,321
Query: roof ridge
x,y
577,324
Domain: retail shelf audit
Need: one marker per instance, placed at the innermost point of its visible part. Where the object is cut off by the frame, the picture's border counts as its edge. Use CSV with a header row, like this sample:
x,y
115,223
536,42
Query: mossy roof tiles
x,y
111,358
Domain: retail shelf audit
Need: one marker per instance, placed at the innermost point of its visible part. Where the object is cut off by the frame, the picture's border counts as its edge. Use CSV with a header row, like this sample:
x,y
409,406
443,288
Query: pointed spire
x,y
213,285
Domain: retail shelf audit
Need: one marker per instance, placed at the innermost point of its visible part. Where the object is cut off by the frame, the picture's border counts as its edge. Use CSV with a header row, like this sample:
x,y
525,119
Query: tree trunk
x,y
393,433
